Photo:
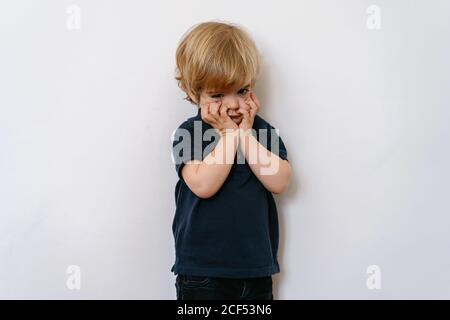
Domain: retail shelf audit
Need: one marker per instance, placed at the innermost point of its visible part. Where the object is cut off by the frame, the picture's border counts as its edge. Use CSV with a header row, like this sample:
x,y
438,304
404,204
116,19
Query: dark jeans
x,y
211,288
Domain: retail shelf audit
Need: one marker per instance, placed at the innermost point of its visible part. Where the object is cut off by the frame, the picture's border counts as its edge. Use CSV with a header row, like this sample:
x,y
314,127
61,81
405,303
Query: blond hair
x,y
216,56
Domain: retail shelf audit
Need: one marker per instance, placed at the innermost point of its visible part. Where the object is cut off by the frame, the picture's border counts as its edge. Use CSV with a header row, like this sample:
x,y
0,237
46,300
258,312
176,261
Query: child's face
x,y
229,99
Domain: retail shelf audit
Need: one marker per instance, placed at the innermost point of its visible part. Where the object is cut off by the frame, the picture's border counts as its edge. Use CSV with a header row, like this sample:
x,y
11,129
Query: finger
x,y
204,110
244,112
206,114
223,111
214,107
210,119
243,104
255,99
253,107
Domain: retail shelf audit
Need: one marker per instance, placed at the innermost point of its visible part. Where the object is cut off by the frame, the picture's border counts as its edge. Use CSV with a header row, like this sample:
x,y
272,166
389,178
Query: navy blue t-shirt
x,y
234,233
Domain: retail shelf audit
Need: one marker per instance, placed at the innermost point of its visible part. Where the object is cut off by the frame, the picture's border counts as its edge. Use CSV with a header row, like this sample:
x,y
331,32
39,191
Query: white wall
x,y
86,116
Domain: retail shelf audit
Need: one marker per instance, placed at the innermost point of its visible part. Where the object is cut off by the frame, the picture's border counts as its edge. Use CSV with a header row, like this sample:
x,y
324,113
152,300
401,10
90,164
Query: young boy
x,y
225,225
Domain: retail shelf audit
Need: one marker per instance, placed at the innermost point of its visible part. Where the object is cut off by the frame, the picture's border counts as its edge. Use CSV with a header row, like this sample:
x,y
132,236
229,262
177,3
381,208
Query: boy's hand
x,y
248,108
216,115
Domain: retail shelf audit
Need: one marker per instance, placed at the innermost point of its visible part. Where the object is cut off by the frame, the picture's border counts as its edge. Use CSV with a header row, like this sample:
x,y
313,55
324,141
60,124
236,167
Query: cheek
x,y
246,96
213,100
206,99
209,100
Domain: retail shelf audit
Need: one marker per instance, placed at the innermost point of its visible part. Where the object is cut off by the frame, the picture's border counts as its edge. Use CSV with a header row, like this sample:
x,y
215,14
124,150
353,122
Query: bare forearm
x,y
209,175
273,172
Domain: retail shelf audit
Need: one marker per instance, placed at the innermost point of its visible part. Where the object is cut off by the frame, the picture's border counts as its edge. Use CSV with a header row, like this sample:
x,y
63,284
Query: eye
x,y
243,91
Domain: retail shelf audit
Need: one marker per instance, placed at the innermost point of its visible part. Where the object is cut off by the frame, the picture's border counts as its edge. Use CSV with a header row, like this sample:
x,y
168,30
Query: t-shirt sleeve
x,y
274,142
185,146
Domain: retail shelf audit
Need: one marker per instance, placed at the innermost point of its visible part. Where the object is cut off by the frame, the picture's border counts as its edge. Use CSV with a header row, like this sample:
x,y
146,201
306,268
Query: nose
x,y
232,103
